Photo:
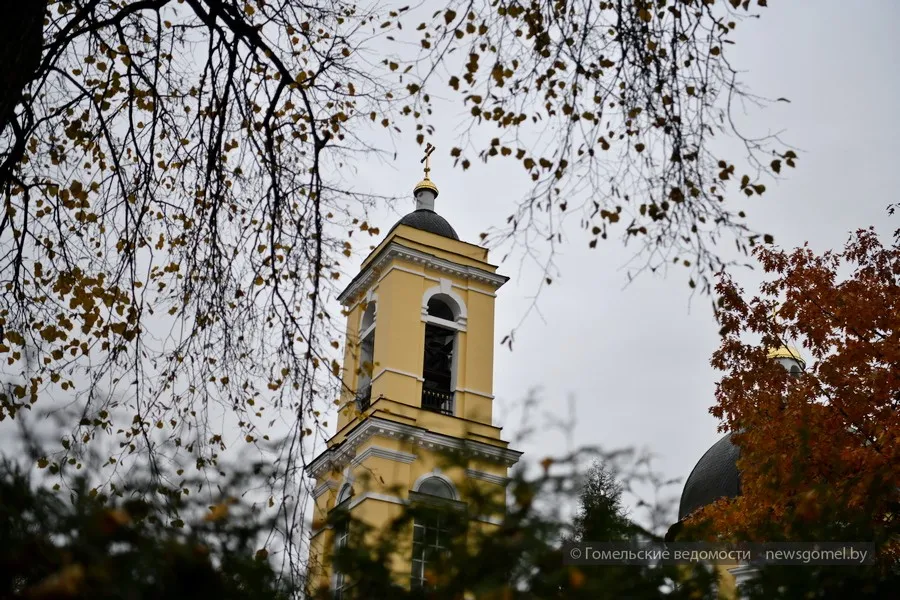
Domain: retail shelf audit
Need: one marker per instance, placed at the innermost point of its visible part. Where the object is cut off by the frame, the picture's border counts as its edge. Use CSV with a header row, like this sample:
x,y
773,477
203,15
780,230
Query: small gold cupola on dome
x,y
425,191
787,353
788,356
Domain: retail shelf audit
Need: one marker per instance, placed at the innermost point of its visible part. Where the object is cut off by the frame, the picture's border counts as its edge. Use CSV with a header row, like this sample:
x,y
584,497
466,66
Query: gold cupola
x,y
426,185
785,353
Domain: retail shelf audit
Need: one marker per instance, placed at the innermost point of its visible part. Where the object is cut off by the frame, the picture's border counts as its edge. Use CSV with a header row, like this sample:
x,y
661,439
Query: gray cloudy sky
x,y
636,360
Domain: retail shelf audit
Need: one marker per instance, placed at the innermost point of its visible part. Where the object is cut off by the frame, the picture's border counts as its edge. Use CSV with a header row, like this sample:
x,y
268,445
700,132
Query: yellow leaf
x,y
217,513
576,578
62,584
119,517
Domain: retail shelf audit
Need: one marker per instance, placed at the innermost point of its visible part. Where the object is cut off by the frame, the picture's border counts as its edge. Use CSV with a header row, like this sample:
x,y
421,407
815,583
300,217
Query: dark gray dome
x,y
428,220
714,476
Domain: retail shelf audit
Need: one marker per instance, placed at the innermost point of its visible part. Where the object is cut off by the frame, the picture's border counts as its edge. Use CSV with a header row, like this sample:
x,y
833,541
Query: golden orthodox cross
x,y
776,318
427,159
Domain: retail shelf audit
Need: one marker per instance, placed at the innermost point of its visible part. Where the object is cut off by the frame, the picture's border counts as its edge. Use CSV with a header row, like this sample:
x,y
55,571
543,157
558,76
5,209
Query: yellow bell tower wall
x,y
399,286
397,426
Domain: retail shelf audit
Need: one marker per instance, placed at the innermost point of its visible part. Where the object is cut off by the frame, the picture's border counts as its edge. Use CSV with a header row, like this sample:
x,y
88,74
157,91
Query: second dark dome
x,y
714,476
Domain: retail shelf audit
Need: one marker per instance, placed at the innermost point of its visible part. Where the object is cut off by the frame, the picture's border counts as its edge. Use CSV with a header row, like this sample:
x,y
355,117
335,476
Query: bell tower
x,y
418,386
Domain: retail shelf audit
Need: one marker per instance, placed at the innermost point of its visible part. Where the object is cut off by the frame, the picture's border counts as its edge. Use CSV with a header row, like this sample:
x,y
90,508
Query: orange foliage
x,y
821,446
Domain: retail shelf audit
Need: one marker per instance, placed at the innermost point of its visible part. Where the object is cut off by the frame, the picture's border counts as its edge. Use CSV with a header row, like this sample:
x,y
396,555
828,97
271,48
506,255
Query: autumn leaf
x,y
576,578
809,428
64,583
217,512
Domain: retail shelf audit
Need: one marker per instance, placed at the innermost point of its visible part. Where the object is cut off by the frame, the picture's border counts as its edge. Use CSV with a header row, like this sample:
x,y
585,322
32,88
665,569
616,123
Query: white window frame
x,y
371,301
420,549
339,583
456,304
453,300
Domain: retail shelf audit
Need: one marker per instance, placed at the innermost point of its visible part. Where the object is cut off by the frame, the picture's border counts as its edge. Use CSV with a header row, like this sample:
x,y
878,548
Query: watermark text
x,y
657,553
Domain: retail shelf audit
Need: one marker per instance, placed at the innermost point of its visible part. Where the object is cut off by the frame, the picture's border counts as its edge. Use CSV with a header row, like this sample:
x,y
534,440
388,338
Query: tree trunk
x,y
21,42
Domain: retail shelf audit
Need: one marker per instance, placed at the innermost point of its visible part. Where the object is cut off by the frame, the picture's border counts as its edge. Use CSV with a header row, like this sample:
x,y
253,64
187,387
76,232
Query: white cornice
x,y
489,477
314,532
386,272
386,453
475,392
494,520
489,519
375,496
324,487
337,457
396,250
397,372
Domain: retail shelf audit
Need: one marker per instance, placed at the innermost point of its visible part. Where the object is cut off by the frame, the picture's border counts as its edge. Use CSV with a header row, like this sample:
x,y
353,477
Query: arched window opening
x,y
439,308
366,357
435,486
345,494
441,304
368,318
437,371
433,529
444,315
340,584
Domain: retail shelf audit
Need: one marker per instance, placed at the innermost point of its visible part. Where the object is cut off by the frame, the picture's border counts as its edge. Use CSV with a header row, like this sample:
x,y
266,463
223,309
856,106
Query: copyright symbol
x,y
575,553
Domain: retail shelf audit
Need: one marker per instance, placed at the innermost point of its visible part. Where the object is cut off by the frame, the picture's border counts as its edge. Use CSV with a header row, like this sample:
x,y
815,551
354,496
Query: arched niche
x,y
345,493
436,484
441,304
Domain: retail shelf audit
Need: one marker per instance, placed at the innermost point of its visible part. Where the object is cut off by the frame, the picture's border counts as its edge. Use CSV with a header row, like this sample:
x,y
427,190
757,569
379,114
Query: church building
x,y
716,476
417,387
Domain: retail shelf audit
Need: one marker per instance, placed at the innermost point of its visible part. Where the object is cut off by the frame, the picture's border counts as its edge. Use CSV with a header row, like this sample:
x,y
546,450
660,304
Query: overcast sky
x,y
636,359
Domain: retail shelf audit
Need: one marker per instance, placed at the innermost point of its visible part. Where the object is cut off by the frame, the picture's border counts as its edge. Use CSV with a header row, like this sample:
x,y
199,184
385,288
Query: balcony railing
x,y
439,401
364,398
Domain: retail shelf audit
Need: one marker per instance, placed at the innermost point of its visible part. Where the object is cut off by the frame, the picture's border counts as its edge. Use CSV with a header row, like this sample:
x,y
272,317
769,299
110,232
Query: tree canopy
x,y
85,544
819,453
177,212
523,558
602,517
